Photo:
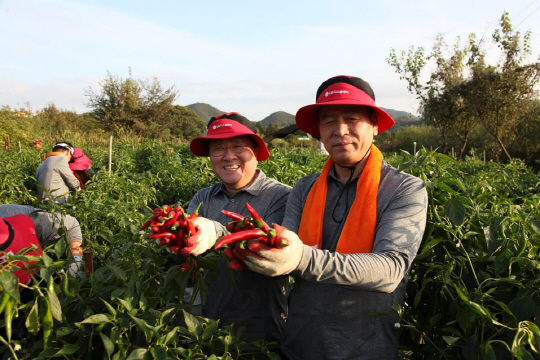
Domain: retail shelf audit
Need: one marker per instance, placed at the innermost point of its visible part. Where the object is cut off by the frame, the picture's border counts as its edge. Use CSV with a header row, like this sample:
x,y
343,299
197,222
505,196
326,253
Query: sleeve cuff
x,y
307,254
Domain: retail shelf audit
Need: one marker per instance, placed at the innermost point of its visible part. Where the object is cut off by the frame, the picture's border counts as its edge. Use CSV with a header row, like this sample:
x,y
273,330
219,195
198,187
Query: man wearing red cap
x,y
359,224
54,174
256,302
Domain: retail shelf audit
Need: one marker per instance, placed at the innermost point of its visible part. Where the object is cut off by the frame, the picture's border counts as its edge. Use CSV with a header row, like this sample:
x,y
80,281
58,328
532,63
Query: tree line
x,y
466,96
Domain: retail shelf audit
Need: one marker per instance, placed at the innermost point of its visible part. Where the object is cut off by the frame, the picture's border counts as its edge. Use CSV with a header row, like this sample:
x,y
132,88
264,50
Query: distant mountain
x,y
283,119
205,111
396,114
279,118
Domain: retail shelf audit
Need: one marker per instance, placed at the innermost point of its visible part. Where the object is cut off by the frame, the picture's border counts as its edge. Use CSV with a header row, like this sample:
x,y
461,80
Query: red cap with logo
x,y
341,90
226,126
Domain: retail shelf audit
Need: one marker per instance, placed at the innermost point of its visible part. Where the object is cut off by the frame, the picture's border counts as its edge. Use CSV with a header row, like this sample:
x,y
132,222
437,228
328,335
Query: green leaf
x,y
68,349
46,260
137,354
171,335
107,343
10,283
63,331
110,308
60,248
451,340
95,319
32,320
455,211
535,225
126,304
119,273
56,308
143,326
193,325
210,330
158,353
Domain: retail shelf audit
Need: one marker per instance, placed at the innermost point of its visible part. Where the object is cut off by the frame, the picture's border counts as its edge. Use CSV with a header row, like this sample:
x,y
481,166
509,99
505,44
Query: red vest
x,y
21,234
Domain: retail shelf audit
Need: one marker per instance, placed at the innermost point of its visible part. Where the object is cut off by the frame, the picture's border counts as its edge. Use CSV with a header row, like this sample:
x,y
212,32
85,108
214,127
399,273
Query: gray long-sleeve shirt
x,y
56,176
47,224
257,302
341,305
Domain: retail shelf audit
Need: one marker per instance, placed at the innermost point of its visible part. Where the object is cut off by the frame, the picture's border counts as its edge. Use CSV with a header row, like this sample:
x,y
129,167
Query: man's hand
x,y
271,261
204,238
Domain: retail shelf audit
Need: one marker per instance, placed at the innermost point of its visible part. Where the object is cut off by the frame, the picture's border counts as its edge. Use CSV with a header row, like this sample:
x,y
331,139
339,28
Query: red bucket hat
x,y
16,233
226,126
79,160
341,90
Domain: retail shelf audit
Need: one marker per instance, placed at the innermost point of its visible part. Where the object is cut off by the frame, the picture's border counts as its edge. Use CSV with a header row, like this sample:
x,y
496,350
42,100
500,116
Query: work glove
x,y
274,261
75,265
204,238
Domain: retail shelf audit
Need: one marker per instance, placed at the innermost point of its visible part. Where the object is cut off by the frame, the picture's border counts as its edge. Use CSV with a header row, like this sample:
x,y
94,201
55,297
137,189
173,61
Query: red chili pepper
x,y
233,215
239,236
228,252
190,228
163,234
174,217
231,226
195,213
237,251
256,216
236,264
155,229
173,249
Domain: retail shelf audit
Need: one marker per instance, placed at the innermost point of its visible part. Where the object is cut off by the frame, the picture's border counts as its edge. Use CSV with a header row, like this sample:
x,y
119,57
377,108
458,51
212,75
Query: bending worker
x,y
47,226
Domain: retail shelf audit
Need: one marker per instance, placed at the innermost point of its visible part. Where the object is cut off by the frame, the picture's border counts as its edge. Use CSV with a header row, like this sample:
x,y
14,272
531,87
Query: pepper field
x,y
473,293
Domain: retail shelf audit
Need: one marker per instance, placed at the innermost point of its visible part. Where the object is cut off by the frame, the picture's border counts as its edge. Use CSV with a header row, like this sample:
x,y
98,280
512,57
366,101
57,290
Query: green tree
x,y
464,91
130,104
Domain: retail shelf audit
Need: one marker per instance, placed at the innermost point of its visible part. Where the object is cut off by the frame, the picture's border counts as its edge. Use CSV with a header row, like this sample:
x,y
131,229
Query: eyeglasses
x,y
220,150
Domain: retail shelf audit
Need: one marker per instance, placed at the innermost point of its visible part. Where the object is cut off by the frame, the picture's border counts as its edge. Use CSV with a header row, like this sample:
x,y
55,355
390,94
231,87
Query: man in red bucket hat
x,y
354,230
256,302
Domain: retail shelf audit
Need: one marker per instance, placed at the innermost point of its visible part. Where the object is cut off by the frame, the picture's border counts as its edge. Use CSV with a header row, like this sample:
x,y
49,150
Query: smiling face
x,y
234,161
347,132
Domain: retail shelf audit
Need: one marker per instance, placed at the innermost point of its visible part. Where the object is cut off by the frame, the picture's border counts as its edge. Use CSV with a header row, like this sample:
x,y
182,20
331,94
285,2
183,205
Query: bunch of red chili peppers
x,y
172,226
244,229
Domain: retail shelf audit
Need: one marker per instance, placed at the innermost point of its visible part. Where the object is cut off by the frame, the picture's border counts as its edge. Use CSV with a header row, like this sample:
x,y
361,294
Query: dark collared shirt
x,y
245,298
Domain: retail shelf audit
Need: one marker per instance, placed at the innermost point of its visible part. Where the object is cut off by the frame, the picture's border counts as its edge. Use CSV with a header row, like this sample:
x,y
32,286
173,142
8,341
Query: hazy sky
x,y
253,57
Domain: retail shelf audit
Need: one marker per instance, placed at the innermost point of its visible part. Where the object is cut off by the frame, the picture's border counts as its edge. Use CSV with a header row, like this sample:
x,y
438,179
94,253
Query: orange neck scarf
x,y
54,154
358,233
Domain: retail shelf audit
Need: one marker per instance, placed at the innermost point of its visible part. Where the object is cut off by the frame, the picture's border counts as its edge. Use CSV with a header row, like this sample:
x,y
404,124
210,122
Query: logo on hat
x,y
220,125
328,93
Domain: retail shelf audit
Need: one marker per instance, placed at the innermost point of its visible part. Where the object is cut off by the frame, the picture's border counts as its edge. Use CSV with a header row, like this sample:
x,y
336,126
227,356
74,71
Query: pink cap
x,y
79,160
225,128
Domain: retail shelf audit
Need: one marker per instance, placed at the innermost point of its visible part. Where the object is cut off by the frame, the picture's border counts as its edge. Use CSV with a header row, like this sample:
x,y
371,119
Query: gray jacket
x,y
246,298
55,175
342,305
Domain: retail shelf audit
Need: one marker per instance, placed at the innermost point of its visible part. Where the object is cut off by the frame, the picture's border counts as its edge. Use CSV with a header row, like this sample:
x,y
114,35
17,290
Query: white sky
x,y
253,57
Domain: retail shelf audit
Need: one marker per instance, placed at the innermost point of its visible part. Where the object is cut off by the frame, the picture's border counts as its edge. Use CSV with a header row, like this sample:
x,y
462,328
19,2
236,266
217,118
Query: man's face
x,y
347,132
234,161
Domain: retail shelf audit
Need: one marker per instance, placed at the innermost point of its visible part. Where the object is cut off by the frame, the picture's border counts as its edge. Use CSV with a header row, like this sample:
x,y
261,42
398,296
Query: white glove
x,y
75,265
204,238
271,261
